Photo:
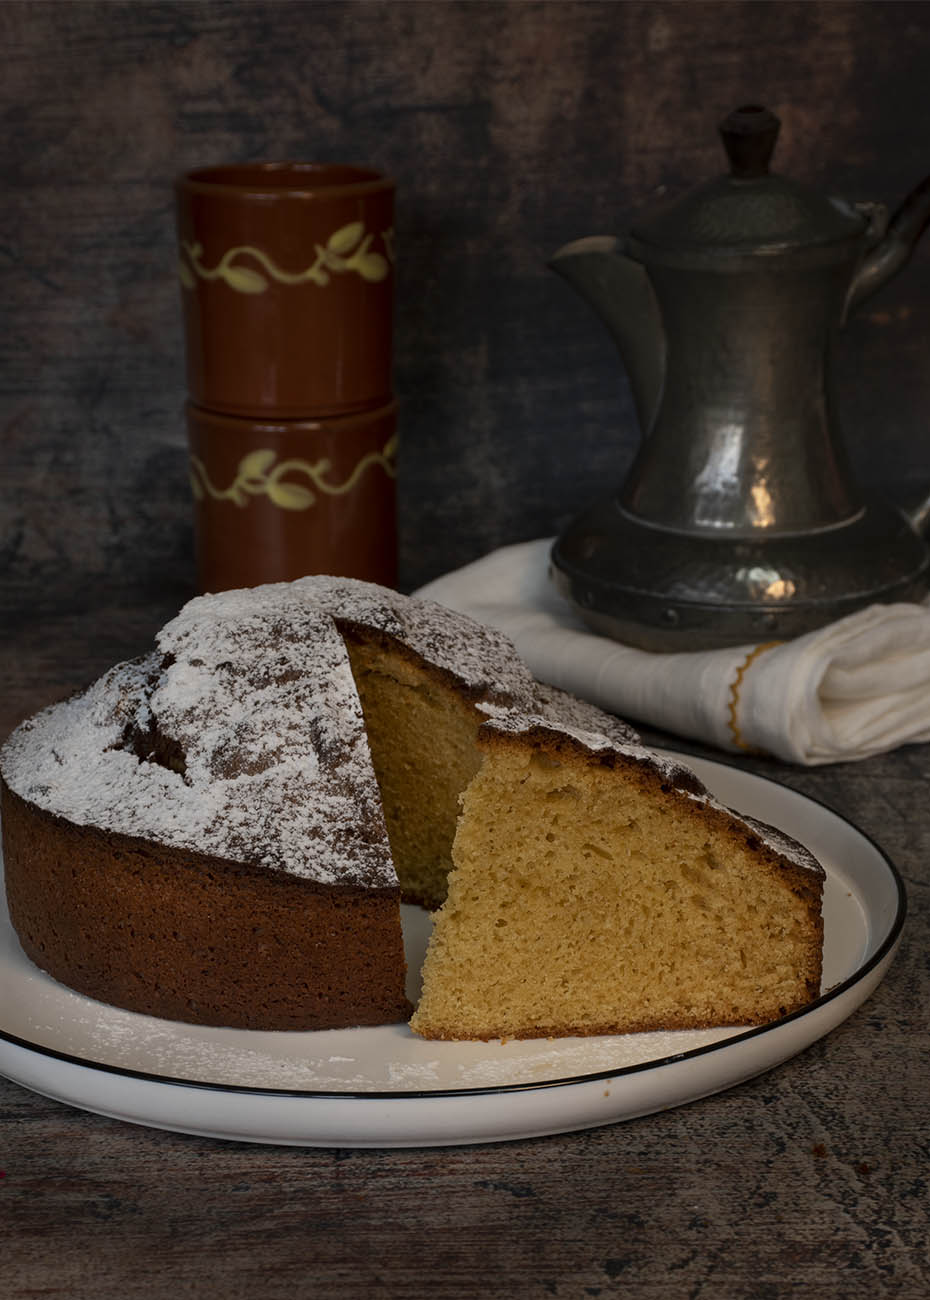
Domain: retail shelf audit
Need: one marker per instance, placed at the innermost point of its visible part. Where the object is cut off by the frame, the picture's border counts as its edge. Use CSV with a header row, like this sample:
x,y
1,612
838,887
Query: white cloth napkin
x,y
858,687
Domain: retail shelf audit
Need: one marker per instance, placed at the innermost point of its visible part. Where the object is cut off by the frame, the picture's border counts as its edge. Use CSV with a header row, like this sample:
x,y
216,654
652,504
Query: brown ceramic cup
x,y
277,499
287,281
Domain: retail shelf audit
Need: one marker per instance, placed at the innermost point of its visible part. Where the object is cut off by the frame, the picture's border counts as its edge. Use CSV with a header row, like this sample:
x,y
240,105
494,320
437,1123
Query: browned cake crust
x,y
187,936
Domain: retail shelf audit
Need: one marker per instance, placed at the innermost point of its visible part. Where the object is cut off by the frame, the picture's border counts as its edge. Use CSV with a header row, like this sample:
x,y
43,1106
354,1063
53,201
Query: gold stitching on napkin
x,y
735,686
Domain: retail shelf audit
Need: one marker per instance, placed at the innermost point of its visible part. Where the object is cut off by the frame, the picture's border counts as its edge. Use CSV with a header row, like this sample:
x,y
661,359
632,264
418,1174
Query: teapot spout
x,y
893,251
618,289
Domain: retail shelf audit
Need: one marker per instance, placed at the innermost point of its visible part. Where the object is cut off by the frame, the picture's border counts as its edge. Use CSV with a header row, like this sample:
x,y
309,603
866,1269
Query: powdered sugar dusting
x,y
387,1058
242,734
581,716
481,658
784,845
243,738
612,734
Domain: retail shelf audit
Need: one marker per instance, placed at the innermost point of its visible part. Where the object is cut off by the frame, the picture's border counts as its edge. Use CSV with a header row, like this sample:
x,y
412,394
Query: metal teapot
x,y
740,519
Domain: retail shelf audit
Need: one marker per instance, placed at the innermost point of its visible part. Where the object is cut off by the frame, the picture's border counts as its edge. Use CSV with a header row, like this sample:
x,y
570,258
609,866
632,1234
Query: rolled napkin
x,y
860,686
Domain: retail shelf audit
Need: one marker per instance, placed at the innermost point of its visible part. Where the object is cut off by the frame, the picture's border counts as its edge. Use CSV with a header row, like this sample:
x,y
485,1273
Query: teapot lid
x,y
748,211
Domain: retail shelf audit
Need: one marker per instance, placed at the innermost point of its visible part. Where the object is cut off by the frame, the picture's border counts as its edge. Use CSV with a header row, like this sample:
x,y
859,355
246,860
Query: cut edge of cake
x,y
615,895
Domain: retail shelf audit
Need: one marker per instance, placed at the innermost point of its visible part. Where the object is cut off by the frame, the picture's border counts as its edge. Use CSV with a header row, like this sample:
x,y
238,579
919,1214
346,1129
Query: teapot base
x,y
671,591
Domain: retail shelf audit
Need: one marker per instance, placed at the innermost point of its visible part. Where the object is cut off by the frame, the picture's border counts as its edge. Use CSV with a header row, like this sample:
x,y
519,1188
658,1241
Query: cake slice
x,y
598,889
423,721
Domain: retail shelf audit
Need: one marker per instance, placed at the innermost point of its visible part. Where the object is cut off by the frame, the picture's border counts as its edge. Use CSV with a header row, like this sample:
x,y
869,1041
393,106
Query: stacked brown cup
x,y
287,275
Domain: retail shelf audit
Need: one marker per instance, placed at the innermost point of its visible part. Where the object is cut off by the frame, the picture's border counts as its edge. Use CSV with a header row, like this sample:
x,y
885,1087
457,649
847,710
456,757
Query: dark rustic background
x,y
511,128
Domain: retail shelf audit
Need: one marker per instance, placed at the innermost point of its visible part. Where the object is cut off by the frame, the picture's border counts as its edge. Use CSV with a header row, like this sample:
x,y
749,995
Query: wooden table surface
x,y
810,1179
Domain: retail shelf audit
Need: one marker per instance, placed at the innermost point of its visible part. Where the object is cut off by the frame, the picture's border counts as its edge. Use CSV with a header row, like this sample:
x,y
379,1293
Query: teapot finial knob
x,y
749,134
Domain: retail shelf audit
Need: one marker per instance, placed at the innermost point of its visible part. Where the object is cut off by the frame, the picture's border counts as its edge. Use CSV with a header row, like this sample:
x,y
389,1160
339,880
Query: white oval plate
x,y
384,1087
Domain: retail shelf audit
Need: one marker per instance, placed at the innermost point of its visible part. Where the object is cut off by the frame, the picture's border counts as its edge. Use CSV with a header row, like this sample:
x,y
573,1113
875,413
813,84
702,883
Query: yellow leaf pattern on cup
x,y
245,279
289,496
347,249
342,241
257,475
257,463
